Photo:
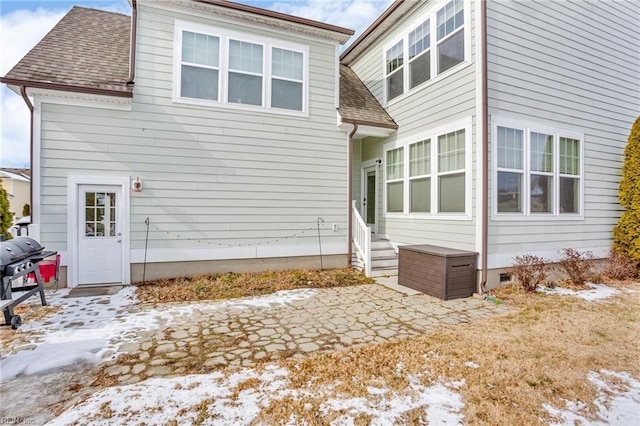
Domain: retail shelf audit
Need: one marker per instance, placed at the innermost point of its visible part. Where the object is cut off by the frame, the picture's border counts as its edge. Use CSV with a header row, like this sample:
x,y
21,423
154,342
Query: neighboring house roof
x,y
357,103
88,50
380,27
23,175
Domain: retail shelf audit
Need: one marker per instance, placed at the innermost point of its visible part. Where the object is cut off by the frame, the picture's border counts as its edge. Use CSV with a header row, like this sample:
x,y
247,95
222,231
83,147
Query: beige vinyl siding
x,y
573,66
219,175
448,98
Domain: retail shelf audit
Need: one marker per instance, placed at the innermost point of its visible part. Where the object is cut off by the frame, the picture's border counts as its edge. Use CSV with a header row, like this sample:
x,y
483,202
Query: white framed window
x,y
420,54
200,66
450,24
395,180
538,171
430,175
218,67
438,44
420,177
395,70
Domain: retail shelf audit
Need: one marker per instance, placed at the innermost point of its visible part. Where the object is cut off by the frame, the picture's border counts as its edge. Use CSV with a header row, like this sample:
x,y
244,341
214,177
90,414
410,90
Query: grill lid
x,y
17,249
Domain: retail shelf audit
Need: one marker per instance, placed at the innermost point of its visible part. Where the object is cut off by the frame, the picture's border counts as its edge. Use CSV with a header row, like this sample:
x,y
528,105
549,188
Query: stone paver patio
x,y
202,337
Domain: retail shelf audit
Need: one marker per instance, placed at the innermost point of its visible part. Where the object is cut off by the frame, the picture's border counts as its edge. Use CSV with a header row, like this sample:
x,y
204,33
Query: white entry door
x,y
100,234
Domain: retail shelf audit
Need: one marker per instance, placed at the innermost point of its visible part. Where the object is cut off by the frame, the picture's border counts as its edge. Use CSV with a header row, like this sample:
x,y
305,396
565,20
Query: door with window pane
x,y
99,234
370,199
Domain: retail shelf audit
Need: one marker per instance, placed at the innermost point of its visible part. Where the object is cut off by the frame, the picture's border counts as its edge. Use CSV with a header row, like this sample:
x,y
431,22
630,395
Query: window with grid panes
x,y
420,177
419,55
395,180
395,70
551,180
450,35
451,172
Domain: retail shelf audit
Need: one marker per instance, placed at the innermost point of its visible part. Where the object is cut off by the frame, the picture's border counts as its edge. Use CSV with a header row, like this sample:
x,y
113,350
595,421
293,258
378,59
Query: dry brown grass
x,y
231,285
540,353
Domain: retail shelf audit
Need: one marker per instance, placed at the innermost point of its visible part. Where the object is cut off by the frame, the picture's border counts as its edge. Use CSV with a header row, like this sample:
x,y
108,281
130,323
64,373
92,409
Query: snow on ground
x,y
92,328
596,293
179,398
617,405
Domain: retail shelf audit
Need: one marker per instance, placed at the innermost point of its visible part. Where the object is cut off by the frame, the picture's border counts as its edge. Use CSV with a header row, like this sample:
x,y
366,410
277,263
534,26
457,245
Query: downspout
x,y
23,92
350,194
132,38
485,150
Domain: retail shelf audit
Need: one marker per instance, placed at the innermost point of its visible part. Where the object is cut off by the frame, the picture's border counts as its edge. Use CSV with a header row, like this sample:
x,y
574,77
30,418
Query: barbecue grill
x,y
19,258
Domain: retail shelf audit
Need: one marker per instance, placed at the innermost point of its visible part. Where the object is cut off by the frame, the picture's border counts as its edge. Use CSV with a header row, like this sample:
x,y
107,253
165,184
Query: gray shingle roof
x,y
87,49
357,103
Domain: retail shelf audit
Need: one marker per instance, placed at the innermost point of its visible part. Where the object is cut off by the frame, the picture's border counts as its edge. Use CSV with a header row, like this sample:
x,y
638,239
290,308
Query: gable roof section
x,y
357,103
87,51
391,16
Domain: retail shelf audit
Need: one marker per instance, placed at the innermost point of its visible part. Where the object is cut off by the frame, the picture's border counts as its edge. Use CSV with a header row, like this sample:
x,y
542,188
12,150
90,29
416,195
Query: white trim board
x,y
226,253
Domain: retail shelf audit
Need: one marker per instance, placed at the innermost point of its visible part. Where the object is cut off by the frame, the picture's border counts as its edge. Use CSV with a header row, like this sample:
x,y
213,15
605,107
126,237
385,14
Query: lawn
x,y
233,285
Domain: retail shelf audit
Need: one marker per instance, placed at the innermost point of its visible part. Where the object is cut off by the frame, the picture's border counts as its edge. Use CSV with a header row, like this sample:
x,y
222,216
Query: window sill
x,y
239,107
428,216
451,71
505,217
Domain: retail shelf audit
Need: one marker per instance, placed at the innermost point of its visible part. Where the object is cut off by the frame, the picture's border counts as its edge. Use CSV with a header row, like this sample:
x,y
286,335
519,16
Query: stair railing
x,y
362,239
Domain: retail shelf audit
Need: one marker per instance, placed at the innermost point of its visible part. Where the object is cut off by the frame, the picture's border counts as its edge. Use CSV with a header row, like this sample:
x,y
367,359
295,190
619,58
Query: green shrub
x,y
626,234
6,217
26,210
528,271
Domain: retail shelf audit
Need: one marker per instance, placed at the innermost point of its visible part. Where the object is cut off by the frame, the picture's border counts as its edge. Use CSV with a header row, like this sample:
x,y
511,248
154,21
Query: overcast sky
x,y
23,23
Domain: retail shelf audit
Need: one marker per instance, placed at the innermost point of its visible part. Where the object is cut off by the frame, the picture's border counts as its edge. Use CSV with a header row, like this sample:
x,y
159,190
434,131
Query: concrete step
x,y
384,262
382,252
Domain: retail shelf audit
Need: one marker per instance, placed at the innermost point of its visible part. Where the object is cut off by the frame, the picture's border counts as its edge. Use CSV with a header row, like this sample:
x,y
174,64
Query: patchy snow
x,y
597,292
471,364
179,398
617,405
92,328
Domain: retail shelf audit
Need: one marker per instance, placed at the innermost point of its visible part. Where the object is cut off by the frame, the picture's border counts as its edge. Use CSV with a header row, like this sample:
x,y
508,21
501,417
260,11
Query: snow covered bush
x,y
529,271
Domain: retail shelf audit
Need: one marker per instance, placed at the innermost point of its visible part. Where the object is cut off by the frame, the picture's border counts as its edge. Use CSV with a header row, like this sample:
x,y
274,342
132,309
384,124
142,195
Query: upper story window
x,y
419,55
538,171
450,35
444,27
435,180
395,70
219,67
200,66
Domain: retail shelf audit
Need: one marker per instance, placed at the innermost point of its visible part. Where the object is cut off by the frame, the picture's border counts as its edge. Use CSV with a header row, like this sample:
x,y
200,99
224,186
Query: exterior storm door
x,y
100,234
369,197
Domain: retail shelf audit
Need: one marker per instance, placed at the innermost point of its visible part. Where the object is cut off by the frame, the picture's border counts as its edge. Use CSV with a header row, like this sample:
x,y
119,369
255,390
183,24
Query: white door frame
x,y
73,187
364,167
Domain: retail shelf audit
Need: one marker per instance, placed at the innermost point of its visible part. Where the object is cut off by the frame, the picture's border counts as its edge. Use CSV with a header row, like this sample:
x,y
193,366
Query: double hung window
x,y
435,178
538,171
226,69
444,26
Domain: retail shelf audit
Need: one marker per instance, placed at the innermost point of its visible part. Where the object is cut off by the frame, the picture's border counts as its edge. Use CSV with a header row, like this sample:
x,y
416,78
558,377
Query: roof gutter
x,y
132,39
485,149
118,92
350,194
23,92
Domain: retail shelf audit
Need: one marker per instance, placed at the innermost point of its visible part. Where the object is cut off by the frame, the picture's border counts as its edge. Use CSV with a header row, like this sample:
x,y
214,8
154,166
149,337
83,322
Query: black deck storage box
x,y
438,271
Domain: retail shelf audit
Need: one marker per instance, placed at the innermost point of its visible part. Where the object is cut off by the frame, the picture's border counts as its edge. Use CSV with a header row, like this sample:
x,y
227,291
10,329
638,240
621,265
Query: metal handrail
x,y
362,239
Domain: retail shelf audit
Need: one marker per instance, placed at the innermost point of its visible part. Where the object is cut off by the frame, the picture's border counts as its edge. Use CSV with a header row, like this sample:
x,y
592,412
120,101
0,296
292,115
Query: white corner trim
x,y
73,184
36,208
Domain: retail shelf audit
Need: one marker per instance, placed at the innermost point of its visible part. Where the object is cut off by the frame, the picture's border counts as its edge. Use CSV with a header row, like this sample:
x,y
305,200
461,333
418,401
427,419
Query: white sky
x,y
24,23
